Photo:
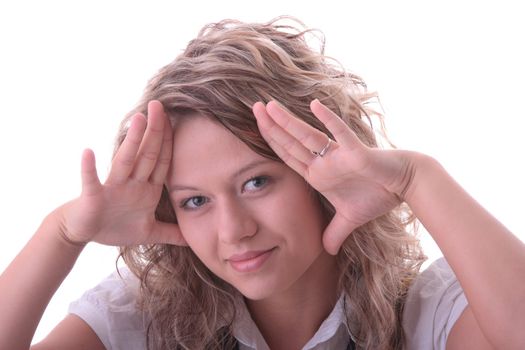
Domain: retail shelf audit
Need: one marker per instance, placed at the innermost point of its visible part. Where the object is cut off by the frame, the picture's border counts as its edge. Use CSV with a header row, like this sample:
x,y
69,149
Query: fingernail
x,y
278,104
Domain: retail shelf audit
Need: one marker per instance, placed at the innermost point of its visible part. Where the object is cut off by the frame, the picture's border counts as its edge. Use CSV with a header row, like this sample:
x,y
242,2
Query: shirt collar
x,y
332,334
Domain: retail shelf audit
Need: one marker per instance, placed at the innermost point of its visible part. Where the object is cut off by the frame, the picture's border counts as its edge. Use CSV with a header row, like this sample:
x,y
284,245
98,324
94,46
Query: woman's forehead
x,y
194,133
203,147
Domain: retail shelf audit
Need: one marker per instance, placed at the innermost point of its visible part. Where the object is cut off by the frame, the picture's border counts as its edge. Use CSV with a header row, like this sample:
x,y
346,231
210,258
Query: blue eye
x,y
194,202
255,183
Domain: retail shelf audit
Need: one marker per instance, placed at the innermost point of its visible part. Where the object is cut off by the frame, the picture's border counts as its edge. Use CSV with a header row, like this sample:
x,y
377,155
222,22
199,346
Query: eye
x,y
194,202
255,183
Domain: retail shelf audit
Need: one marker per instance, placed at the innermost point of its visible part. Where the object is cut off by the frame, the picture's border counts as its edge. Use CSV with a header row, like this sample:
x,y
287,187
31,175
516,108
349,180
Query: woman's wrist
x,y
57,222
419,170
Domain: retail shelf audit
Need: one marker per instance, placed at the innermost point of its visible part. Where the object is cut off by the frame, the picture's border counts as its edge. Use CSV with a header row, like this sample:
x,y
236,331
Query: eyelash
x,y
184,203
265,179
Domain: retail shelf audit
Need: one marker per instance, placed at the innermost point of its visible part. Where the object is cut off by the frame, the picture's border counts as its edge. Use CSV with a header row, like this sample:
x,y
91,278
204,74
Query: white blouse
x,y
434,303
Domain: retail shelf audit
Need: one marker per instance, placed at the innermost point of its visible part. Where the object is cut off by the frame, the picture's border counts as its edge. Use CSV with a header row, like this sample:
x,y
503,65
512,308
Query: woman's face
x,y
252,221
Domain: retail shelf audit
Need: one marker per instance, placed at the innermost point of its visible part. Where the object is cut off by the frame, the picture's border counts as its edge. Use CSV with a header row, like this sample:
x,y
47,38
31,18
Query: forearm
x,y
488,260
29,282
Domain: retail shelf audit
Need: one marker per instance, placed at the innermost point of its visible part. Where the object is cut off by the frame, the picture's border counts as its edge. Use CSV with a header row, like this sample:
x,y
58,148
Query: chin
x,y
257,289
256,293
255,296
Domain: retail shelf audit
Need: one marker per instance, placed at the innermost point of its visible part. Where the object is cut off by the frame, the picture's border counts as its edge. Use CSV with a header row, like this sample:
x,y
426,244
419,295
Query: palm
x,y
350,187
116,215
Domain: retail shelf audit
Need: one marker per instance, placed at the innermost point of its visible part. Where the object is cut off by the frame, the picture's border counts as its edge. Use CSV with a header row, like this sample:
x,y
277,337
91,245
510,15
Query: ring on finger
x,y
322,152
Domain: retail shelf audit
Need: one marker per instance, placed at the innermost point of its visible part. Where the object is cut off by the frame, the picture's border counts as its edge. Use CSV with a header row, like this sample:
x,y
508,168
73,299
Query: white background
x,y
450,75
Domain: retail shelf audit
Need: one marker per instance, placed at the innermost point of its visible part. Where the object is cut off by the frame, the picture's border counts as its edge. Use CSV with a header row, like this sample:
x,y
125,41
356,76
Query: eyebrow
x,y
236,174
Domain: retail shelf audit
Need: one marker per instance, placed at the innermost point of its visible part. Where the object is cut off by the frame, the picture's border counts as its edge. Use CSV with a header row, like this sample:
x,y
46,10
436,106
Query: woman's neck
x,y
288,320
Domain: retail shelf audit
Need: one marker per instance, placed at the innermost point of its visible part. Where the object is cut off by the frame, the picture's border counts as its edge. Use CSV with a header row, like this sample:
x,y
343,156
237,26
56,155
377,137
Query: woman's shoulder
x,y
119,289
111,309
434,302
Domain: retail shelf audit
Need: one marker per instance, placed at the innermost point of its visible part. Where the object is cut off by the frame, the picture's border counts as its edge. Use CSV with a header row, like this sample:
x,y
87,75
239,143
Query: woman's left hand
x,y
362,183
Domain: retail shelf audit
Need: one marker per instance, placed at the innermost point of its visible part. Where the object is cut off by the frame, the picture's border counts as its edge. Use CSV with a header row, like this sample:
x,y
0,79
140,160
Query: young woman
x,y
254,210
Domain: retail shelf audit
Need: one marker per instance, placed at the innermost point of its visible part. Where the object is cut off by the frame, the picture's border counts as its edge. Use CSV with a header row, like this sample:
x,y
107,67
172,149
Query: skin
x,y
360,182
230,200
491,270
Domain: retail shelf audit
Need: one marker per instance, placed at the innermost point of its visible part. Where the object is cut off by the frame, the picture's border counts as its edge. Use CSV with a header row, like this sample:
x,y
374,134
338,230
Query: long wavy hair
x,y
221,74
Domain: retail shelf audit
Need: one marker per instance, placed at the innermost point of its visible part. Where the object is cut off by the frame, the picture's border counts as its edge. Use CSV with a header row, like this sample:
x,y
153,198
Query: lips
x,y
249,261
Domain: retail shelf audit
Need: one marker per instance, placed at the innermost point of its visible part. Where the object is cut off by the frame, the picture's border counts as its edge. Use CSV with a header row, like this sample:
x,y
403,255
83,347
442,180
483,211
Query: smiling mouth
x,y
249,261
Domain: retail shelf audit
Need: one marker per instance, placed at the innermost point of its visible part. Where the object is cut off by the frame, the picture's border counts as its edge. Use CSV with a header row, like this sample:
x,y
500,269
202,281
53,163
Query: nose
x,y
235,222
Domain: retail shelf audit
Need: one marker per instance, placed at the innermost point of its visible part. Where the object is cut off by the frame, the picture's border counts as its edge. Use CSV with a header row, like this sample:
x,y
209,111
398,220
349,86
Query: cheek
x,y
303,209
300,221
190,229
199,236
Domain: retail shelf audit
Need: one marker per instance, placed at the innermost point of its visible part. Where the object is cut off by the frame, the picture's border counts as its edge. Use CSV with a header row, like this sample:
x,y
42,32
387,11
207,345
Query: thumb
x,y
166,233
90,182
336,233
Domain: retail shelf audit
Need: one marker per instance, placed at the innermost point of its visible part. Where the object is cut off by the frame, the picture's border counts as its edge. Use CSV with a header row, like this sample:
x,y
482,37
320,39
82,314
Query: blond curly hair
x,y
228,67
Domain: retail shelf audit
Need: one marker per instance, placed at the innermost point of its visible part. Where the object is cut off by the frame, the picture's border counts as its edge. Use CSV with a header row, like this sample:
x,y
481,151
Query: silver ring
x,y
324,150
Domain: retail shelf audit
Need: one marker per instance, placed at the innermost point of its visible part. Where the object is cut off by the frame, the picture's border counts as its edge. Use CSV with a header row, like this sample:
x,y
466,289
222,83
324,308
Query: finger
x,y
166,233
336,233
281,136
289,160
265,123
307,136
341,132
124,159
90,181
150,147
163,163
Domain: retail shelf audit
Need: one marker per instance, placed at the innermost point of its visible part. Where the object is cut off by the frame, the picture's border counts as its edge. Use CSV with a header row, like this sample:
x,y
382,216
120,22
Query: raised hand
x,y
362,183
122,210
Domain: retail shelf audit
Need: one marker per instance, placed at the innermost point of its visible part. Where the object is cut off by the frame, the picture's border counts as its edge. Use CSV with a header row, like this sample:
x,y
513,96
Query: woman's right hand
x,y
122,210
